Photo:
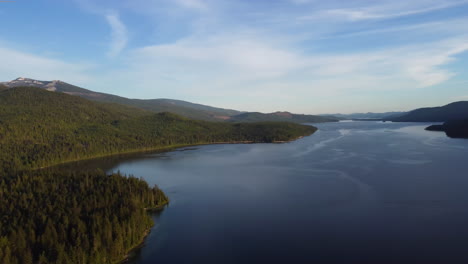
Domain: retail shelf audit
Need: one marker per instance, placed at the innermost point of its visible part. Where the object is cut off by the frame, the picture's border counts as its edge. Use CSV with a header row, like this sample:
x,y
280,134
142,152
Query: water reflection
x,y
354,192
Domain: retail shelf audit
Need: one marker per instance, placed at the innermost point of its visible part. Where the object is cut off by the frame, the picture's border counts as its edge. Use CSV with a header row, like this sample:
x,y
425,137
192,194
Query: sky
x,y
303,56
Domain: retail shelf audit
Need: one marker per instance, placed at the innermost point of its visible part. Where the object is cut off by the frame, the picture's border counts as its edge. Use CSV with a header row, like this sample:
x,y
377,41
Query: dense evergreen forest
x,y
52,216
55,217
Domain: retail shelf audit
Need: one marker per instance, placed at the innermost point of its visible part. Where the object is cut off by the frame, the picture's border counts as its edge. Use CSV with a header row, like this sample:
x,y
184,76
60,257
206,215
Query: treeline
x,y
40,128
57,217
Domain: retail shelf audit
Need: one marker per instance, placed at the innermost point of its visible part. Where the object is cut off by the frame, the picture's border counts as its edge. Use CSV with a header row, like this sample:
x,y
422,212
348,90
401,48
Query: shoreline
x,y
168,149
131,252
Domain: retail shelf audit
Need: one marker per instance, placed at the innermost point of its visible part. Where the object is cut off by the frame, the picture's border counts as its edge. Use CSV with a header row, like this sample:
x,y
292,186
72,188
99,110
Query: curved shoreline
x,y
128,256
139,245
167,149
131,252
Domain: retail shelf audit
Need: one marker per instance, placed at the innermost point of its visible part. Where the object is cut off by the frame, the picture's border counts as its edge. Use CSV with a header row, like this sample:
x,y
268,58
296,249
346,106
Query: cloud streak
x,y
119,34
43,68
382,13
266,74
193,4
255,59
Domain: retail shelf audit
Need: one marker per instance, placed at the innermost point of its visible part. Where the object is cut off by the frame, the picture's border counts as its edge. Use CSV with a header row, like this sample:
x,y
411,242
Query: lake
x,y
354,192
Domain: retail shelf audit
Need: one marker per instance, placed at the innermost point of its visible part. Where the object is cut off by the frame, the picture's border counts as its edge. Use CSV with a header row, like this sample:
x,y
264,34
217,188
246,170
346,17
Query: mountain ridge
x,y
183,108
187,109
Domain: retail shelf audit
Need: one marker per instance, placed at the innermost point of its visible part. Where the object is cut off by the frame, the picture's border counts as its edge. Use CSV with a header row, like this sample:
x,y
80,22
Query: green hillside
x,y
40,128
186,109
182,108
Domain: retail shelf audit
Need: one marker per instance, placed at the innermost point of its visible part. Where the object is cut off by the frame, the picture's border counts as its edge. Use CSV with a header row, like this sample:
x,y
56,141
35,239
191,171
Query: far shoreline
x,y
170,148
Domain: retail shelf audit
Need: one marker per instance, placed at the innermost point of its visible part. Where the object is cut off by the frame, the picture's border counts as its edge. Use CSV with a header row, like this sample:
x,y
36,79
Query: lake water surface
x,y
354,192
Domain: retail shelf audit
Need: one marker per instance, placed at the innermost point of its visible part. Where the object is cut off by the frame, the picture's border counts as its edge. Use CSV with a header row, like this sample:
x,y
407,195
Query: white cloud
x,y
243,55
253,71
454,26
17,63
418,65
301,2
119,36
424,62
386,10
193,4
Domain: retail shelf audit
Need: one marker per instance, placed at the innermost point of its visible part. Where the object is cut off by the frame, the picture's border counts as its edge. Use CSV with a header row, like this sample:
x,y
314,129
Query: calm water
x,y
354,192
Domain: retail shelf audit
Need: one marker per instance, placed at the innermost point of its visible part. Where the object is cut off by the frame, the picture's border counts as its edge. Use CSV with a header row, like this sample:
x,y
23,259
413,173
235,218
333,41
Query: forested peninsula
x,y
53,216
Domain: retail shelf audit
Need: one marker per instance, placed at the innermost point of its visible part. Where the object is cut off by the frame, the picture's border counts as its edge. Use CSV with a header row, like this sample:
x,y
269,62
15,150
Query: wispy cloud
x,y
301,2
119,36
119,33
42,68
453,26
387,11
193,4
250,70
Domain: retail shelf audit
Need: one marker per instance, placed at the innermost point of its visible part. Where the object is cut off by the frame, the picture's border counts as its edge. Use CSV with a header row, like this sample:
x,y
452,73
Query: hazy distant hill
x,y
453,111
281,116
187,109
367,115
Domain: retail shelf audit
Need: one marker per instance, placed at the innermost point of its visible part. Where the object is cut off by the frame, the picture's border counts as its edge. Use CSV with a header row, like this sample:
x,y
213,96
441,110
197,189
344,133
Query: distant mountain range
x,y
450,112
183,108
369,115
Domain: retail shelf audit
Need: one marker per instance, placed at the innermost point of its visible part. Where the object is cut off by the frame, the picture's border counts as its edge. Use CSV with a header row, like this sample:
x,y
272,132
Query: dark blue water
x,y
354,192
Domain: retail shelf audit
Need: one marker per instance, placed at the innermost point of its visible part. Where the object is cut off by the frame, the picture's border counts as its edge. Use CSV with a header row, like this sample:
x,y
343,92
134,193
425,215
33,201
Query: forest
x,y
53,216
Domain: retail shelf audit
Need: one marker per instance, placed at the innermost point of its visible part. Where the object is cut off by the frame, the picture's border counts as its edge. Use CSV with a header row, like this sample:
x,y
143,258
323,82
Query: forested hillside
x,y
40,128
450,112
187,109
56,217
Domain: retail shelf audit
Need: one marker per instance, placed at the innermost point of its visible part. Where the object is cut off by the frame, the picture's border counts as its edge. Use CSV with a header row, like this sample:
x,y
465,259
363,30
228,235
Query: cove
x,y
354,192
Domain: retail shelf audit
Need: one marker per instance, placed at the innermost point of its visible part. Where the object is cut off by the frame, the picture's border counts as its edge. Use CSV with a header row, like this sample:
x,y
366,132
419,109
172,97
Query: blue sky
x,y
304,56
